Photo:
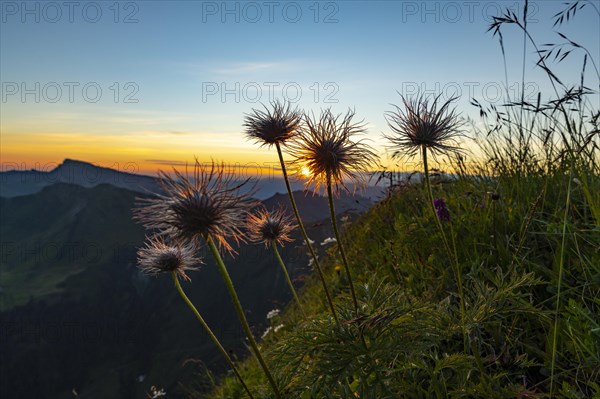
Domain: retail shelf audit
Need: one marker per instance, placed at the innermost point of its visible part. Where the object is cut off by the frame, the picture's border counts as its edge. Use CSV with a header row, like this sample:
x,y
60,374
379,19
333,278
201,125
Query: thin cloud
x,y
168,162
250,67
228,165
230,69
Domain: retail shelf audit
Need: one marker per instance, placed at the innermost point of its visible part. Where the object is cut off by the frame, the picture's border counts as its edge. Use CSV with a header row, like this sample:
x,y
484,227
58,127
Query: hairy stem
x,y
452,255
339,242
212,336
240,313
287,278
304,235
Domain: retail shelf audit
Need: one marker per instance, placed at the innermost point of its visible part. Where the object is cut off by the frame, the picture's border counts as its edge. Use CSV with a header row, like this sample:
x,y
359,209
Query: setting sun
x,y
305,171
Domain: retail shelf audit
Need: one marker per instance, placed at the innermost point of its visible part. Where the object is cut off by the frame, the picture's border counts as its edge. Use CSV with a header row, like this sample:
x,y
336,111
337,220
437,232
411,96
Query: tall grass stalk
x,y
451,254
559,283
240,312
208,330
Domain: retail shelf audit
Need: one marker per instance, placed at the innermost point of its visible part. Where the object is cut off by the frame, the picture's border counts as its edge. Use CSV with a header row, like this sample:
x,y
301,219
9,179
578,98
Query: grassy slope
x,y
525,245
60,233
509,252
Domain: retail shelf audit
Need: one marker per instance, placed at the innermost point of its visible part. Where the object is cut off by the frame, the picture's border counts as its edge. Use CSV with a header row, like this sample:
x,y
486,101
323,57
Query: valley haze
x,y
17,182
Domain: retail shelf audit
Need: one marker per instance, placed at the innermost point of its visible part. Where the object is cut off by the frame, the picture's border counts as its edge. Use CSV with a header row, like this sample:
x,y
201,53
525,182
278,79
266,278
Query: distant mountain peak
x,y
68,162
72,171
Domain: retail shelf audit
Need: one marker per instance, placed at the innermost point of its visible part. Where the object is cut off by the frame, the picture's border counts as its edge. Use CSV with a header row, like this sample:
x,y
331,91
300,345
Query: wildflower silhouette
x,y
327,148
275,128
273,228
420,127
158,256
207,205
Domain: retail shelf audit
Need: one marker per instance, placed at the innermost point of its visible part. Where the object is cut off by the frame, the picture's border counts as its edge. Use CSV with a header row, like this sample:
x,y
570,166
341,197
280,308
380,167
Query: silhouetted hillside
x,y
15,182
75,312
18,182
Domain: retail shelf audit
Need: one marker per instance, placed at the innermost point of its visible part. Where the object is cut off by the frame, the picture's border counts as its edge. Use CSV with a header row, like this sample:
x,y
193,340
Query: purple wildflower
x,y
441,209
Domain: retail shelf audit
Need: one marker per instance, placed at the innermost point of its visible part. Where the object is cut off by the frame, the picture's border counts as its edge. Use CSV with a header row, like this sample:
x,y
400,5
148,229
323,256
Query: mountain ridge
x,y
16,183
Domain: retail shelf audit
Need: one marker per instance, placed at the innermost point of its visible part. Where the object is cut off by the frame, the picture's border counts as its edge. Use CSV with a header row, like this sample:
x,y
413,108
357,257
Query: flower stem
x,y
287,277
339,242
305,236
240,312
210,333
452,255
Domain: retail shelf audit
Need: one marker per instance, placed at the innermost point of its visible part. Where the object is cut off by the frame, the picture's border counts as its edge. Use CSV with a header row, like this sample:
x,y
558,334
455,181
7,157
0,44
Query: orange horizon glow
x,y
147,152
261,163
144,152
11,162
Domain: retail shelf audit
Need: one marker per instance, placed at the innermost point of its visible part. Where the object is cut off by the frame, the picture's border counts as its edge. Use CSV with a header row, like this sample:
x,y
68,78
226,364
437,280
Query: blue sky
x,y
162,68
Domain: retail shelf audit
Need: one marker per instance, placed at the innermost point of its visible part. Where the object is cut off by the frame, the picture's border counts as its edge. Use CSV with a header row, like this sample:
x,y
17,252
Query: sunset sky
x,y
156,83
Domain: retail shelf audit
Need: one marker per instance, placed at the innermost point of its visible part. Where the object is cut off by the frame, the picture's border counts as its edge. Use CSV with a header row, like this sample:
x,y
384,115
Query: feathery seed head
x,y
158,256
207,203
274,126
422,124
327,149
270,228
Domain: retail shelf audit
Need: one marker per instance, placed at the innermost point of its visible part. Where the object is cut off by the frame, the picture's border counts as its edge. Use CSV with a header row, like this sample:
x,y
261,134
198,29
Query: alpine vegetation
x,y
207,206
273,229
160,257
328,147
273,127
483,285
278,127
423,126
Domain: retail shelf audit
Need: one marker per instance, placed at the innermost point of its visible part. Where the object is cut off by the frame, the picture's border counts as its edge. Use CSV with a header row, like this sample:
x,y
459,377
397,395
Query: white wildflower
x,y
156,392
328,240
267,331
273,313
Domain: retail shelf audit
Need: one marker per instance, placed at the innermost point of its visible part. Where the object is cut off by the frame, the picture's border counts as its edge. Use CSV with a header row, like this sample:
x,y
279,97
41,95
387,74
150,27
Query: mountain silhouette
x,y
15,182
22,182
